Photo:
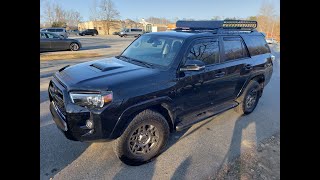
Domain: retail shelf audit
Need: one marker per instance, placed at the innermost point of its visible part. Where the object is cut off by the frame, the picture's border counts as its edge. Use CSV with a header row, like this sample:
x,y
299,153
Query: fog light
x,y
89,124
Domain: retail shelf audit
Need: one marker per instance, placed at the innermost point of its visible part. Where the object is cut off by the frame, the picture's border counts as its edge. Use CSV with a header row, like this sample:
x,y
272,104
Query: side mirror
x,y
193,65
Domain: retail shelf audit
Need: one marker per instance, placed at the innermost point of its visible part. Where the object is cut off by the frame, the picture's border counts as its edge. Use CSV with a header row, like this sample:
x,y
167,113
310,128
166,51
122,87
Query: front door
x,y
44,42
57,43
195,87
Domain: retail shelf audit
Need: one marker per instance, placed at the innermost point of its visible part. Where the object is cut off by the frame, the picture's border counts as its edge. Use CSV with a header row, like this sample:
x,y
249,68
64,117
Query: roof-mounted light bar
x,y
213,24
240,24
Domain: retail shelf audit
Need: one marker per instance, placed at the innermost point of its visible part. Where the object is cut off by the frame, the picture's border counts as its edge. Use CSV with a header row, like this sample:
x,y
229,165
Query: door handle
x,y
248,67
220,74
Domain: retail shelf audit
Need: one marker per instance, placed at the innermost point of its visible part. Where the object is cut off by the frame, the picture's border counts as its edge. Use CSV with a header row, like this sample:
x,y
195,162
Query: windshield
x,y
153,49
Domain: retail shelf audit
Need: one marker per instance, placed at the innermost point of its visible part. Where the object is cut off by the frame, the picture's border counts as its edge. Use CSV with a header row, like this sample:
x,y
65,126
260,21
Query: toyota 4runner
x,y
161,83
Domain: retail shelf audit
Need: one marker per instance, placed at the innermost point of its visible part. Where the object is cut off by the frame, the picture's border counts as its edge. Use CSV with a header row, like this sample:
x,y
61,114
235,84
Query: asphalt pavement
x,y
195,153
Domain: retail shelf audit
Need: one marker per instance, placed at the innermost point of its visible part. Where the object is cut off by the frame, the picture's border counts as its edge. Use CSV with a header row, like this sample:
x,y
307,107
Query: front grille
x,y
57,97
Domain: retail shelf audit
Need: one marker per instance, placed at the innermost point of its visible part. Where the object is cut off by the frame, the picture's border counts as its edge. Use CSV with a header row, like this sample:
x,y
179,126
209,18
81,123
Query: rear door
x,y
237,65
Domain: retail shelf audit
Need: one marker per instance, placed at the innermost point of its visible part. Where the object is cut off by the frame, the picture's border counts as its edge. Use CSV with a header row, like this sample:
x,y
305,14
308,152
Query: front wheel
x,y
249,98
143,139
74,47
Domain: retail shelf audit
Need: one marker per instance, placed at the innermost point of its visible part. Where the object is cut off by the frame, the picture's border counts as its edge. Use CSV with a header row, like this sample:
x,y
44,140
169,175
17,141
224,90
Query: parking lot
x,y
195,153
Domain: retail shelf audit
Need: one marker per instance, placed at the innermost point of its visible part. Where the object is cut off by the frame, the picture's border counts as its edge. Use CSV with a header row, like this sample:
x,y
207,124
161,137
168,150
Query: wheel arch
x,y
260,78
161,105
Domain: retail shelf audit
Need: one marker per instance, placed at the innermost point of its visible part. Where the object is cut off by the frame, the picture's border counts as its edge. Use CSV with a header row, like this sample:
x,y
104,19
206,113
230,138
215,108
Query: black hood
x,y
101,74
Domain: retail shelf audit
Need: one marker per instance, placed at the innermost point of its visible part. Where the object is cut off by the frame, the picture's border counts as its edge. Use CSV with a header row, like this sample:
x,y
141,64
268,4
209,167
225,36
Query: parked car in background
x,y
115,33
92,32
271,41
60,31
74,32
131,32
52,42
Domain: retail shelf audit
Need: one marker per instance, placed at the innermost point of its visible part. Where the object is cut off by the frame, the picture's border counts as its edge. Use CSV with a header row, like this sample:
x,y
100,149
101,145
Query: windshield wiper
x,y
138,61
125,57
142,62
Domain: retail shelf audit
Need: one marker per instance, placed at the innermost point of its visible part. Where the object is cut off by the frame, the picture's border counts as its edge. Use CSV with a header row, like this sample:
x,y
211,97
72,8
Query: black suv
x,y
92,32
161,83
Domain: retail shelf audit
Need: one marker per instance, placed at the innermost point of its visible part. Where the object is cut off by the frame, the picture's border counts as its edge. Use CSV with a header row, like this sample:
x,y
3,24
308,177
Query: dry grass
x,y
64,56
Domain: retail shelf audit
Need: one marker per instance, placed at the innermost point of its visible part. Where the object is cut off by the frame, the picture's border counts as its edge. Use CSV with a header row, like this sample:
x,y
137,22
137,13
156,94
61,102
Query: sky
x,y
195,9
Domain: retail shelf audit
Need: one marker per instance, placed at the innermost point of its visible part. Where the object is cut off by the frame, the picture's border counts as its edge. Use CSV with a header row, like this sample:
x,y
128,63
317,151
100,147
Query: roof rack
x,y
217,26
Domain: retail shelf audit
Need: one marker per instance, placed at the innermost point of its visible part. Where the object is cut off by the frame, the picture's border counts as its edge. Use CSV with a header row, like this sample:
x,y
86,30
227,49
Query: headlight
x,y
91,100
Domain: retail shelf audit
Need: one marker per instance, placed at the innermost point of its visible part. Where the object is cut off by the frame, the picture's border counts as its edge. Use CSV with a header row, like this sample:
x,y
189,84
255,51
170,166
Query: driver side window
x,y
43,36
206,51
51,36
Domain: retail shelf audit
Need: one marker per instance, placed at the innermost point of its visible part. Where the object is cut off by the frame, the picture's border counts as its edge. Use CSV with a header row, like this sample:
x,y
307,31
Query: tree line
x,y
267,18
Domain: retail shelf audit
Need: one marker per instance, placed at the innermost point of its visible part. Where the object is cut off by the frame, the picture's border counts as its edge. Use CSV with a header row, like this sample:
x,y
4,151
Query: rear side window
x,y
206,51
256,45
234,49
59,30
51,30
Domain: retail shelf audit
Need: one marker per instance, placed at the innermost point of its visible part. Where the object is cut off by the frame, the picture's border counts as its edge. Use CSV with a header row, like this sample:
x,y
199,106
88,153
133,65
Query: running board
x,y
195,117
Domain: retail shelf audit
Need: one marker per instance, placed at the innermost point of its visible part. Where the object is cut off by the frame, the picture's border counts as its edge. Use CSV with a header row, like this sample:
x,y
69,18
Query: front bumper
x,y
71,119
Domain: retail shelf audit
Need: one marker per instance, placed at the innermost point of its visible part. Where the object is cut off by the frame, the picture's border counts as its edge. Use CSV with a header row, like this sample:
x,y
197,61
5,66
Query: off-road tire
x,y
123,145
243,107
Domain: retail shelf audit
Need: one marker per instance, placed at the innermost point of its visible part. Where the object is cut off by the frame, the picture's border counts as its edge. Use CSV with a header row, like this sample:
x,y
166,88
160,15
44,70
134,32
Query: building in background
x,y
116,26
101,26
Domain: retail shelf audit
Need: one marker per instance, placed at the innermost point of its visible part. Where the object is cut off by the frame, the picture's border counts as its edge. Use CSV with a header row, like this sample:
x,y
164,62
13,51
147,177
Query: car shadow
x,y
147,170
264,127
180,172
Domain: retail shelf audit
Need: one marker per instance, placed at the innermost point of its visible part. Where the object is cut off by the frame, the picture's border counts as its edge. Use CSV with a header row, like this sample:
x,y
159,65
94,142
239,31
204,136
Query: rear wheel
x,y
74,47
143,139
249,98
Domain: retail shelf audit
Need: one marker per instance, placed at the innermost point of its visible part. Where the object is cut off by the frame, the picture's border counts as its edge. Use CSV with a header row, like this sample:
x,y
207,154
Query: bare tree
x,y
94,15
266,16
53,13
72,18
268,20
48,13
155,20
59,13
109,13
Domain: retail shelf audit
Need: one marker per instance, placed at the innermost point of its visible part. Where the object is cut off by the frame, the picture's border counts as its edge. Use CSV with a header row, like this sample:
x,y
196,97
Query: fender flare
x,y
254,76
123,120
